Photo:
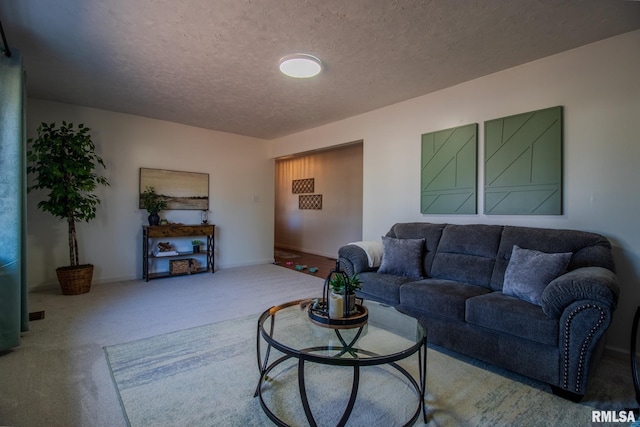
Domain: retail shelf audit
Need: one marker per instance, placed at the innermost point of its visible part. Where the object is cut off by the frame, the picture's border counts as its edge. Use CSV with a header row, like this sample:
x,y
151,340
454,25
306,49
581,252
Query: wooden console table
x,y
157,232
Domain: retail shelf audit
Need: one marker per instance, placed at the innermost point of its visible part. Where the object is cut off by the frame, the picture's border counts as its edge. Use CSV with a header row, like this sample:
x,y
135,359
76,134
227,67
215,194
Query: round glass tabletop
x,y
387,336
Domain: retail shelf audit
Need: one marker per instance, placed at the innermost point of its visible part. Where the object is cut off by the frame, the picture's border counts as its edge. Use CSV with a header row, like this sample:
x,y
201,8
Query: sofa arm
x,y
353,259
587,283
583,301
582,327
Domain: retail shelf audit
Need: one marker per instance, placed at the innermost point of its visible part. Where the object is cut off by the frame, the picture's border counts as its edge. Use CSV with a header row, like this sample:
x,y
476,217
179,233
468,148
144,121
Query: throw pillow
x,y
530,271
402,257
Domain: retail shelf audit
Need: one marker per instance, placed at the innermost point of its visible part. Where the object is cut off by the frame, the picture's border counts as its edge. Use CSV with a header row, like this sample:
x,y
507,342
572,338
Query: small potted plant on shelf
x,y
153,203
63,161
196,245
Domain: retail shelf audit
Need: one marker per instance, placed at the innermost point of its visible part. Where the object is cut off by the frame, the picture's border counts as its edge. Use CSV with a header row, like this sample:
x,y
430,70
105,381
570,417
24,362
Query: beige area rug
x,y
206,376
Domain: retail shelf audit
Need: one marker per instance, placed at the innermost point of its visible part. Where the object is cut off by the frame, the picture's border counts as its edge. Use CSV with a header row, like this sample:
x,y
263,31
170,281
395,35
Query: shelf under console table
x,y
150,233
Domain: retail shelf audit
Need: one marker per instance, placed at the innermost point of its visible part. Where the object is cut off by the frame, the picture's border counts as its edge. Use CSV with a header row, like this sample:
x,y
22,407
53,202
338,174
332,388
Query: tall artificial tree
x,y
63,162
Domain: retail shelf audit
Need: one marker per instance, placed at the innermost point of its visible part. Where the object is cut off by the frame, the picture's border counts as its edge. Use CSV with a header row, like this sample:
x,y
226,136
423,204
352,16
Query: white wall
x,y
241,193
598,86
337,176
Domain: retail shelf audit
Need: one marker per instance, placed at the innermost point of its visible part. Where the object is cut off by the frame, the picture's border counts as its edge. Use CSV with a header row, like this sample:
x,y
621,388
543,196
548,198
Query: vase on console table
x,y
154,219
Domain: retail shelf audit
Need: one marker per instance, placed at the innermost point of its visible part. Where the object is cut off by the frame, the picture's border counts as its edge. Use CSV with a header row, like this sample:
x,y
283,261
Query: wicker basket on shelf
x,y
180,266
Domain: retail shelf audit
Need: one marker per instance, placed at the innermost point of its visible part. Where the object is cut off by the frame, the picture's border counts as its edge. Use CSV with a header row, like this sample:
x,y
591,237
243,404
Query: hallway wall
x,y
337,176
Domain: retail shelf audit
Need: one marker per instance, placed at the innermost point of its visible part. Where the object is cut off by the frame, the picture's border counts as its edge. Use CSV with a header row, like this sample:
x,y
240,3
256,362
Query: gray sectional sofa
x,y
540,309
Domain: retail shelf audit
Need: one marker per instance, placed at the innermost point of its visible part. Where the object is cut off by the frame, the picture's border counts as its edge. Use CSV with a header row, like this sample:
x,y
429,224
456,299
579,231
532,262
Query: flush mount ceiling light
x,y
300,65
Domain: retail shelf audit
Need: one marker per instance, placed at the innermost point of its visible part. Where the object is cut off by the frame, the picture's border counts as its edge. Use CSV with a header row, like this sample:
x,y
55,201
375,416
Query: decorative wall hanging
x,y
523,164
448,174
310,201
299,186
182,190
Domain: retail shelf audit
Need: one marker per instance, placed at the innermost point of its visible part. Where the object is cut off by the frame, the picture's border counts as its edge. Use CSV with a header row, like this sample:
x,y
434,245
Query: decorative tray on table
x,y
319,314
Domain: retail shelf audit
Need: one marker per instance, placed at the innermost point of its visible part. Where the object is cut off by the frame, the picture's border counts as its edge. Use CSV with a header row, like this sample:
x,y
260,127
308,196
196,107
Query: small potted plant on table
x,y
196,245
341,284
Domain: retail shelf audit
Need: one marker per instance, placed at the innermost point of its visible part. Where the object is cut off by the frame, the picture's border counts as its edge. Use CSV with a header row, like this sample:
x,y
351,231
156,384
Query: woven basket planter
x,y
75,280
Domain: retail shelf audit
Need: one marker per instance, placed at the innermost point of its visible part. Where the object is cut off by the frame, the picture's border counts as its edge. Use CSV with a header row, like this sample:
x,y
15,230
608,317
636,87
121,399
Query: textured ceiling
x,y
214,63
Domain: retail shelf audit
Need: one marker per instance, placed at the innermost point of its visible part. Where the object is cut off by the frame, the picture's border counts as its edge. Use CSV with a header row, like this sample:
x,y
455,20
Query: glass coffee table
x,y
386,339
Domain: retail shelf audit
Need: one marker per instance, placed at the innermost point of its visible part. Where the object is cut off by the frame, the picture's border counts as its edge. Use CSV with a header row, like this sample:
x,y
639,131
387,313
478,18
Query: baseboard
x,y
101,280
44,287
245,264
307,251
95,281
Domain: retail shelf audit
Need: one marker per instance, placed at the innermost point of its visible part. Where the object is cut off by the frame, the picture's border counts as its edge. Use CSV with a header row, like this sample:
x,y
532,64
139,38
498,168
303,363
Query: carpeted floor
x,y
207,376
58,376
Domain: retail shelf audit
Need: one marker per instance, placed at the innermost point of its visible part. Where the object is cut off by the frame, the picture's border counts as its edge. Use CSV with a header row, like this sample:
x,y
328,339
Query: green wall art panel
x,y
523,164
448,174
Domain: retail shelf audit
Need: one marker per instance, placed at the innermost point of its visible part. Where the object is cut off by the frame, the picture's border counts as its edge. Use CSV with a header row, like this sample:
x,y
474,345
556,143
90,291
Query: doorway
x,y
318,200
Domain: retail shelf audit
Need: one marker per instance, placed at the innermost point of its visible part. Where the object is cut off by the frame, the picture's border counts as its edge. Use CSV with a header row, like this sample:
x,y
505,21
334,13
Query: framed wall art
x,y
300,186
448,171
182,190
523,164
310,201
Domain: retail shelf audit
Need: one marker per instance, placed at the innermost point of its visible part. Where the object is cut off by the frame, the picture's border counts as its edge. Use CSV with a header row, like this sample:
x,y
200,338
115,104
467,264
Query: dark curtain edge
x,y
14,313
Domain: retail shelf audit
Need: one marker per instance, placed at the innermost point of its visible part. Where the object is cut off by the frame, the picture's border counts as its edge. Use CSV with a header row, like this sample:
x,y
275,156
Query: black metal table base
x,y
634,365
265,368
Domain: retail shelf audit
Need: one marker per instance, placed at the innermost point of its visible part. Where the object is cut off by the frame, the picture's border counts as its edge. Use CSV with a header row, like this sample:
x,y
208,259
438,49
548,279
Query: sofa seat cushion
x,y
386,287
442,297
513,316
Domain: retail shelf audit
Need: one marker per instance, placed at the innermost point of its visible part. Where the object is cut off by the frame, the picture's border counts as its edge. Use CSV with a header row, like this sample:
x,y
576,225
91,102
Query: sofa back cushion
x,y
431,234
467,253
479,253
588,249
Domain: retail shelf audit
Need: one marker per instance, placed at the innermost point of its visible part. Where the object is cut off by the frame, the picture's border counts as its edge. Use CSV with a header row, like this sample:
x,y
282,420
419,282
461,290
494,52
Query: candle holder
x,y
205,216
338,310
